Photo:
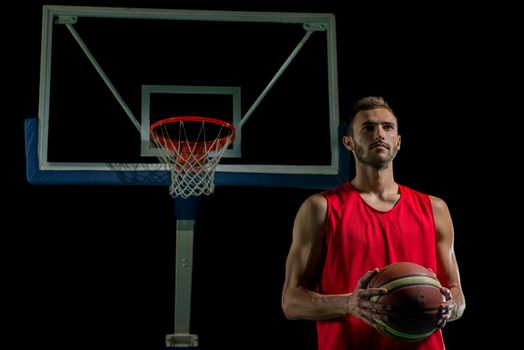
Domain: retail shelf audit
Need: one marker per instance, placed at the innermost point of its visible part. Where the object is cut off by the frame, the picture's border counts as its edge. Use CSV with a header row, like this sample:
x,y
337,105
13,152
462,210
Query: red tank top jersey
x,y
360,238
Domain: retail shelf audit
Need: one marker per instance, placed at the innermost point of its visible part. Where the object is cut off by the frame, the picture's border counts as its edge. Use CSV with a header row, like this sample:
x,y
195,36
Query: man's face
x,y
375,139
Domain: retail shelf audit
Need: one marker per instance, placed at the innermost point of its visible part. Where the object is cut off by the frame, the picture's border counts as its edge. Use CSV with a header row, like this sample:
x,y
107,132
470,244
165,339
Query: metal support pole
x,y
184,268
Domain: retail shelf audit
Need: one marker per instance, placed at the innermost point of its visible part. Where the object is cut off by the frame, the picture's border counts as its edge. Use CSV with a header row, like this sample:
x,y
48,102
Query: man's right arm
x,y
299,300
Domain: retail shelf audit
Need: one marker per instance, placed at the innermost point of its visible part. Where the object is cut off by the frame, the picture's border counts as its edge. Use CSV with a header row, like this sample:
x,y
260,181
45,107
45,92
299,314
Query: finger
x,y
370,292
445,311
446,293
369,321
364,281
375,306
444,316
371,318
441,323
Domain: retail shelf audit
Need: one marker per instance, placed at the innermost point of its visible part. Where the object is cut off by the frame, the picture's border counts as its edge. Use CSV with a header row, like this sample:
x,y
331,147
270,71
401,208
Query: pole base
x,y
182,340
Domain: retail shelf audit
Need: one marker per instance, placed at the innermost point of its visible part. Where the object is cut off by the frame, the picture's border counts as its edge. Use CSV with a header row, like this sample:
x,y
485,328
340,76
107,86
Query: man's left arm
x,y
448,270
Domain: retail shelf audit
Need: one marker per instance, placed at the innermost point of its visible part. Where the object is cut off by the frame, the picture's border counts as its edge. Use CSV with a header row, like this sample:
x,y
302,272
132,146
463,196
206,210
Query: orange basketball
x,y
415,299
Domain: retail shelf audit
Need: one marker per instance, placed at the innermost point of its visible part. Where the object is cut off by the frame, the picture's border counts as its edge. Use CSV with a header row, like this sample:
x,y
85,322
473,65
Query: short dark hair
x,y
366,104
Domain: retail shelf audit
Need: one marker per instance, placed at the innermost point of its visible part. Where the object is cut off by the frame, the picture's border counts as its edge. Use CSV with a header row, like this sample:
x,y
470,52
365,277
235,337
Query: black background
x,y
92,266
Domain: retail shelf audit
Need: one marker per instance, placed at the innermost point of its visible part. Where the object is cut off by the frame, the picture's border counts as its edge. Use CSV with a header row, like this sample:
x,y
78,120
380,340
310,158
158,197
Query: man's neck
x,y
379,182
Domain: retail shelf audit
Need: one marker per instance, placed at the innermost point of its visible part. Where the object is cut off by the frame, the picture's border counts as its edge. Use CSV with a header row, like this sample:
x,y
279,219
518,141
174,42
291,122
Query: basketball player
x,y
342,236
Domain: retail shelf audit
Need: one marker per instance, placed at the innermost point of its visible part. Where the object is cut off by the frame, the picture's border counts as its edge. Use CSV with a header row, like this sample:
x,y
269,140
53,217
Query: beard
x,y
377,161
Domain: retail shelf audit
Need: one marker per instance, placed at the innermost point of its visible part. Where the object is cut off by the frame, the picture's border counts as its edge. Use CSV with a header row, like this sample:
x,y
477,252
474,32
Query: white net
x,y
192,147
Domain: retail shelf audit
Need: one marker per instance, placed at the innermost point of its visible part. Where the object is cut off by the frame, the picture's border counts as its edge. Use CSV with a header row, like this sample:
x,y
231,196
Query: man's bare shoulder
x,y
314,205
317,201
438,204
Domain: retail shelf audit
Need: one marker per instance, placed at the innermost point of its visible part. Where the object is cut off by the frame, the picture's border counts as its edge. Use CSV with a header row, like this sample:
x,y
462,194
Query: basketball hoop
x,y
192,147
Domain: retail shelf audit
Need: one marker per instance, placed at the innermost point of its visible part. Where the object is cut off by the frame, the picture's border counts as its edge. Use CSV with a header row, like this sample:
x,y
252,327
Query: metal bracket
x,y
66,19
318,27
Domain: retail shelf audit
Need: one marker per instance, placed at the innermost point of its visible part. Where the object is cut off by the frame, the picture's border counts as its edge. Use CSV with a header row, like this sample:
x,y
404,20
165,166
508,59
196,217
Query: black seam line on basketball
x,y
414,310
405,335
403,276
410,280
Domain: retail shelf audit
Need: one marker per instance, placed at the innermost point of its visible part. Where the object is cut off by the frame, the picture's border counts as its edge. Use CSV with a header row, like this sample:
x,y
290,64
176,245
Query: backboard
x,y
107,74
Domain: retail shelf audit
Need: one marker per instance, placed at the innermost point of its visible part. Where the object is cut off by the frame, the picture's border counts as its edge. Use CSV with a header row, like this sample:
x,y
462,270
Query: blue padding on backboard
x,y
278,180
162,178
82,177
